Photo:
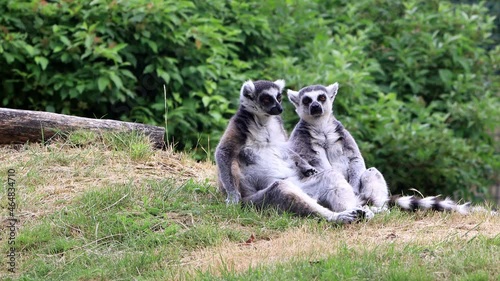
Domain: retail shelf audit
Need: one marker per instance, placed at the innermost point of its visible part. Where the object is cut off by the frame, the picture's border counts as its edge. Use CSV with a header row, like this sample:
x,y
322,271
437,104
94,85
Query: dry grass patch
x,y
49,177
318,243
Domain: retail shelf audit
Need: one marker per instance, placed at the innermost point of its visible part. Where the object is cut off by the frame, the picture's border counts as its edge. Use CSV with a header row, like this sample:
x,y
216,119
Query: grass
x,y
111,208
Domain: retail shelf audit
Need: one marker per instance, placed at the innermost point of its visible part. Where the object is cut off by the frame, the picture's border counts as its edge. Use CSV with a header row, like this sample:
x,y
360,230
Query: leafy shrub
x,y
110,59
418,89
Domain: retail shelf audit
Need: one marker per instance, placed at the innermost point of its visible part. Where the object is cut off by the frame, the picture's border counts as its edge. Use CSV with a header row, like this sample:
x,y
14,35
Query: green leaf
x,y
57,49
153,46
8,57
50,108
73,93
163,74
148,69
89,40
42,61
102,83
65,40
446,76
205,100
119,47
65,57
80,88
30,50
116,80
128,74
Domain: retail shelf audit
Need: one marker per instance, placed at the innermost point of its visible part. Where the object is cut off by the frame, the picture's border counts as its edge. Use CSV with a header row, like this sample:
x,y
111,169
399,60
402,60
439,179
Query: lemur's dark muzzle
x,y
316,109
276,110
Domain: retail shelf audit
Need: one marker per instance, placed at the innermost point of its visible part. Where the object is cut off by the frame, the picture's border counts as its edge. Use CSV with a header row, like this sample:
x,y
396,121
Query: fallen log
x,y
20,126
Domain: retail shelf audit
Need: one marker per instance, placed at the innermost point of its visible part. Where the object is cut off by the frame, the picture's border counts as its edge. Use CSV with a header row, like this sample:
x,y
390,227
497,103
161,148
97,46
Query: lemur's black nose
x,y
276,110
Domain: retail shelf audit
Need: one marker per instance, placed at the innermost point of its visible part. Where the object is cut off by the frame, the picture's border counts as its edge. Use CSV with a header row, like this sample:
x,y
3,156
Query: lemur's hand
x,y
309,172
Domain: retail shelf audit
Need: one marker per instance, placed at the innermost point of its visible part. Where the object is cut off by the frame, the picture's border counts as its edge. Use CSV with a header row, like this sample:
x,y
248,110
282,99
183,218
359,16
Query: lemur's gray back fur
x,y
325,143
256,166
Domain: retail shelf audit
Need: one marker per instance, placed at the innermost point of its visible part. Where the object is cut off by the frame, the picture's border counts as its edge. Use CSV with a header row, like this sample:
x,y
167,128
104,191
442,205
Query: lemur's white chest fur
x,y
266,134
269,149
327,144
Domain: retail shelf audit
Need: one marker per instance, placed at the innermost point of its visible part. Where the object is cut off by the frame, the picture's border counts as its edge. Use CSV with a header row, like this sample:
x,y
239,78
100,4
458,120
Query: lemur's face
x,y
313,102
262,97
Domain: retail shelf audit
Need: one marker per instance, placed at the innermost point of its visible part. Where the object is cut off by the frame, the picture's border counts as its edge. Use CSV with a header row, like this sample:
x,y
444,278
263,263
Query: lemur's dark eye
x,y
278,97
265,99
306,100
322,98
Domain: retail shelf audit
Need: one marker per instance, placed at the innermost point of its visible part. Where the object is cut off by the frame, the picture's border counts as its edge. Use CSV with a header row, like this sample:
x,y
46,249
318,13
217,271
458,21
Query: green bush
x,y
418,85
111,59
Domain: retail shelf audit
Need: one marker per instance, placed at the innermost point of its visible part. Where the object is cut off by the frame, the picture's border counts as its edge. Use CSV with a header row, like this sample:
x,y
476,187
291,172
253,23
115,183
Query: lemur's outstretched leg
x,y
287,196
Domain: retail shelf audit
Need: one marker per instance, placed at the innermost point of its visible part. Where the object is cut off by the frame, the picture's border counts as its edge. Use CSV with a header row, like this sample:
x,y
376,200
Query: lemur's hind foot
x,y
350,216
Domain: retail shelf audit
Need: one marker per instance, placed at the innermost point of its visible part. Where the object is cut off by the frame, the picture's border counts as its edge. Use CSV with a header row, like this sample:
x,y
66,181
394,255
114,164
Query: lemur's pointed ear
x,y
293,96
332,90
248,89
280,83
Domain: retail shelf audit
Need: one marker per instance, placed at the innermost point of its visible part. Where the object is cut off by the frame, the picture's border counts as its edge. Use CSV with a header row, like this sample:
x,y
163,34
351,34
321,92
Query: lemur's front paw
x,y
310,172
233,198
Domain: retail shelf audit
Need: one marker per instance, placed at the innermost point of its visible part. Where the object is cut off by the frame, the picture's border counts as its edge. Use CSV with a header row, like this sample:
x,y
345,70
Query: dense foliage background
x,y
419,78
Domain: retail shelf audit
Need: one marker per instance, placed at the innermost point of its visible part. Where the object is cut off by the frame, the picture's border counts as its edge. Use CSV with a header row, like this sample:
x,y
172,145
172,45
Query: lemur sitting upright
x,y
256,166
324,143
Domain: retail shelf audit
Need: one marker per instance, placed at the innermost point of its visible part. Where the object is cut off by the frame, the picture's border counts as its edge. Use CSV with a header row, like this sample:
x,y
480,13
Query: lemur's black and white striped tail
x,y
412,203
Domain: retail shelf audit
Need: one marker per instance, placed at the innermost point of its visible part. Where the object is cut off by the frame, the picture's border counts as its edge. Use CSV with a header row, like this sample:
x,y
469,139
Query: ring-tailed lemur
x,y
324,143
256,166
